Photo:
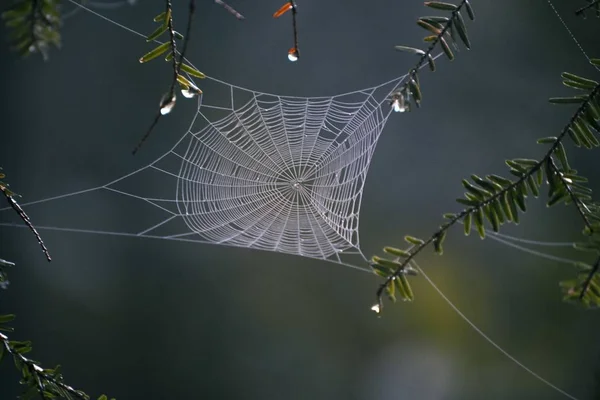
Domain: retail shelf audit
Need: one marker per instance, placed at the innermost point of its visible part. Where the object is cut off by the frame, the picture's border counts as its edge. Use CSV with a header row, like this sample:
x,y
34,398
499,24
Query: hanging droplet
x,y
399,103
191,92
293,54
376,308
167,108
167,104
188,94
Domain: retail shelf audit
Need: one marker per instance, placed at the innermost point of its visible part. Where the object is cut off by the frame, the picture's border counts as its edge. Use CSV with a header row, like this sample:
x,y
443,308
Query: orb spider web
x,y
263,171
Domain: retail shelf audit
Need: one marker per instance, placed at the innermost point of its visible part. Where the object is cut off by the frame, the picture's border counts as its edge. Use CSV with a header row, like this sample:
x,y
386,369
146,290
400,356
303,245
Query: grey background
x,y
149,319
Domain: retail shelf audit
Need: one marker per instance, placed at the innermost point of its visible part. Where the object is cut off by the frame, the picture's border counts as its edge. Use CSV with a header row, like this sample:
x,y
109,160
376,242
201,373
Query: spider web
x,y
263,171
260,171
269,172
257,170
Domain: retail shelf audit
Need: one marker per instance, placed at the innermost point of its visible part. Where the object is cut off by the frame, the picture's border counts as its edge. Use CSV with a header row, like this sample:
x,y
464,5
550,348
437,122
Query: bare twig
x,y
294,12
294,52
15,206
230,9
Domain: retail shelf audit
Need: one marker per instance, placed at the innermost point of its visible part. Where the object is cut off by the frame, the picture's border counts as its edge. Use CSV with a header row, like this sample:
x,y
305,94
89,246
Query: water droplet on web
x,y
376,308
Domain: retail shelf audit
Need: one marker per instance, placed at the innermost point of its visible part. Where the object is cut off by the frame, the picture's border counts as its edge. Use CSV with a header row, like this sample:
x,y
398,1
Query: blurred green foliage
x,y
33,26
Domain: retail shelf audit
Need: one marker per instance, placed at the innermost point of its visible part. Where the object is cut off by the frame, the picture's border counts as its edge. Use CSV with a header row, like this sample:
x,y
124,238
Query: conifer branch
x,y
579,205
498,198
33,374
177,58
177,63
454,26
588,280
173,44
48,383
438,38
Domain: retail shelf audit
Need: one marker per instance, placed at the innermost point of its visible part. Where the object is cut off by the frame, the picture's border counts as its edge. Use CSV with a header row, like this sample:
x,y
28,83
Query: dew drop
x,y
376,308
166,104
191,92
187,93
398,106
167,108
293,54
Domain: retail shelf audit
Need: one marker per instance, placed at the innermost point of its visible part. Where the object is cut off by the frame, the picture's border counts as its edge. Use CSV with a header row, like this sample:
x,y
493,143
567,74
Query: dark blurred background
x,y
151,319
